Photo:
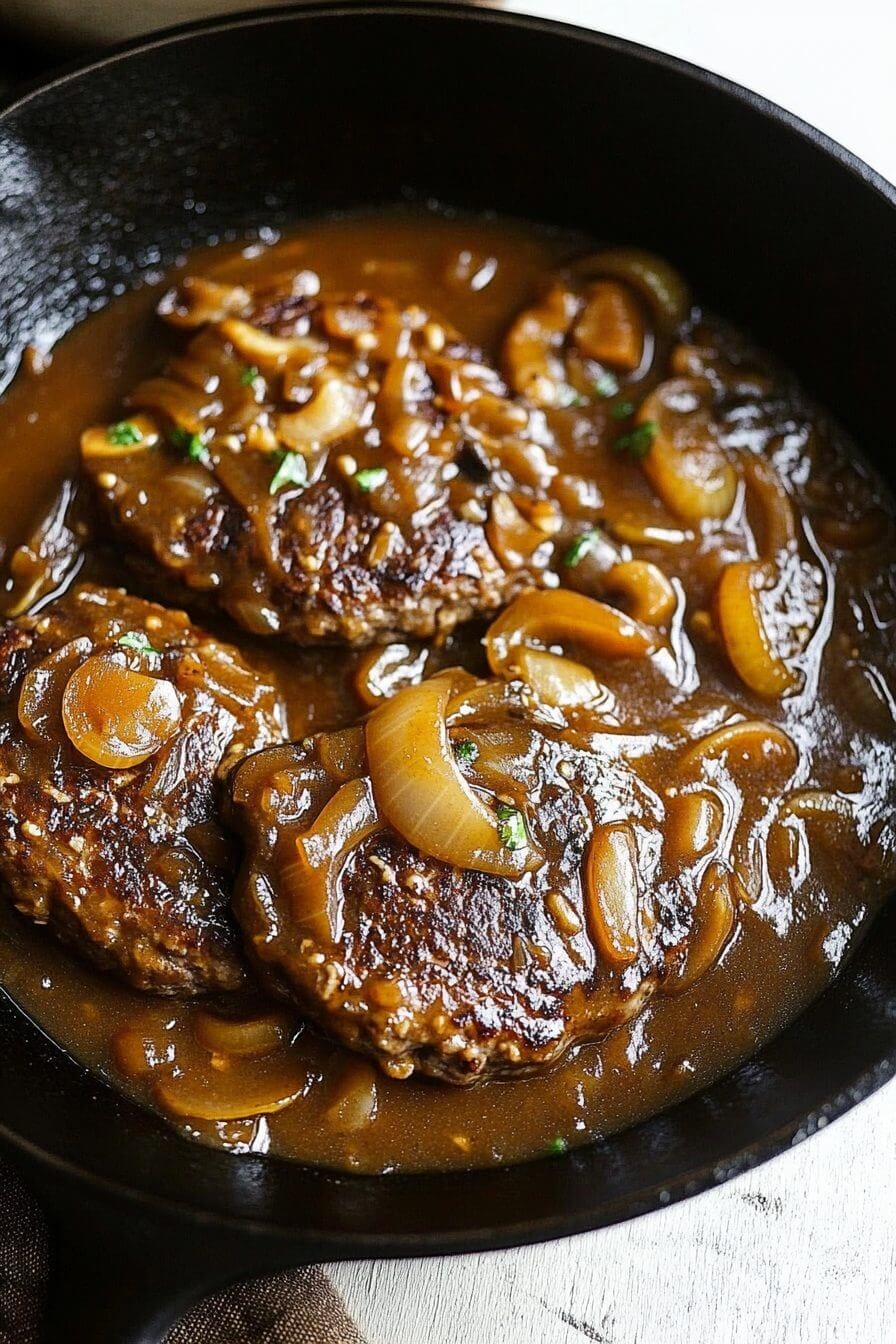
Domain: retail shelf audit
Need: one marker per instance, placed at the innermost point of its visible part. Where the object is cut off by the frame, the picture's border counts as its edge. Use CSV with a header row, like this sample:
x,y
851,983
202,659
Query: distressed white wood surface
x,y
802,1250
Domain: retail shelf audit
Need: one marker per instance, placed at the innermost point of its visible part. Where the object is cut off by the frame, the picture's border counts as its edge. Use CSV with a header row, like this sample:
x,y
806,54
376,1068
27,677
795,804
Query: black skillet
x,y
266,119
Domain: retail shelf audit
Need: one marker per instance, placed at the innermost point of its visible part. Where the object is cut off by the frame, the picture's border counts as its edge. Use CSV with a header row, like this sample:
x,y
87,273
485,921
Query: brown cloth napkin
x,y
299,1307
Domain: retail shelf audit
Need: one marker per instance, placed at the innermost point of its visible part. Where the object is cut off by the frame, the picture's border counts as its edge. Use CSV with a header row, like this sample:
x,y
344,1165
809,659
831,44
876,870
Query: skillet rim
x,y
354,1244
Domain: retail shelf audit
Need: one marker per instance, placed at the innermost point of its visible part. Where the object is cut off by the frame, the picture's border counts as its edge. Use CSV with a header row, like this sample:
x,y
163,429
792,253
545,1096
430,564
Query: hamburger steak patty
x,y
432,966
125,859
328,469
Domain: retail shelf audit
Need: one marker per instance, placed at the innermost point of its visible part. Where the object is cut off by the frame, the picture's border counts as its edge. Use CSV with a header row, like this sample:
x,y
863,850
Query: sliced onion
x,y
188,407
711,930
609,328
751,744
117,717
561,682
645,589
685,464
40,697
333,412
342,753
564,617
693,827
248,1037
311,877
779,524
421,791
267,352
232,1094
612,888
653,277
198,300
512,537
383,671
743,630
97,445
534,345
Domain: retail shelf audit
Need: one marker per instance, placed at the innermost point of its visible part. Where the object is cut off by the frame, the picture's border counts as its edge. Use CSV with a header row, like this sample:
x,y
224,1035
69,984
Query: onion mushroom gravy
x,y
582,619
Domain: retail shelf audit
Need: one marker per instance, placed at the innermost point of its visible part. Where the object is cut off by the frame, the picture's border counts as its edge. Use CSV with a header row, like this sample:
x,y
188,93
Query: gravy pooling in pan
x,y
582,620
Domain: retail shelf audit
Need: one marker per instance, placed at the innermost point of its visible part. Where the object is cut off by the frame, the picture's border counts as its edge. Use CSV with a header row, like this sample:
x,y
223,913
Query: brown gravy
x,y
786,950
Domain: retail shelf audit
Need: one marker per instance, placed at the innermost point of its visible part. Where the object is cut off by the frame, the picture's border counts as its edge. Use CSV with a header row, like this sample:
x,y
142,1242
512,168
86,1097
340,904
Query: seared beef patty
x,y
329,469
115,842
444,968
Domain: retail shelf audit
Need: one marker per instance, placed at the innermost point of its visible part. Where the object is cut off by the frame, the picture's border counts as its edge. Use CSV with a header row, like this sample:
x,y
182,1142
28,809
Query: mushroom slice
x,y
685,463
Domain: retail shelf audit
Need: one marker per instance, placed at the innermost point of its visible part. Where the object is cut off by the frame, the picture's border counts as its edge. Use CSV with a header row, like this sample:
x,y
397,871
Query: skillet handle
x,y
122,1275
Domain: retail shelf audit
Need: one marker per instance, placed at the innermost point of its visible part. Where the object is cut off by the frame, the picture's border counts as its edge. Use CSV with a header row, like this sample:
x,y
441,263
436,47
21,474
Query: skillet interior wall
x,y
257,130
219,133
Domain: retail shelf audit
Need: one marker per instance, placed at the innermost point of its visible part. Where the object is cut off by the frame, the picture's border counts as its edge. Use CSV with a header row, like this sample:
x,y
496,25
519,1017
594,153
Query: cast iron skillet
x,y
265,119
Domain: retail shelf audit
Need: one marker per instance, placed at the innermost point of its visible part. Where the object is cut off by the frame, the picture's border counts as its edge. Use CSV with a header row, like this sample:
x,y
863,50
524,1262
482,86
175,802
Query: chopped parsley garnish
x,y
607,385
622,410
511,827
193,445
556,1146
637,442
466,752
370,478
248,375
137,641
580,547
292,470
124,433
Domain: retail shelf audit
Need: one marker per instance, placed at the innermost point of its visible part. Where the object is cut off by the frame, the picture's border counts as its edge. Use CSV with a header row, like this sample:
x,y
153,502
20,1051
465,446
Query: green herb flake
x,y
193,445
466,752
292,470
607,385
581,547
622,410
638,441
124,433
249,375
556,1147
511,827
137,642
370,478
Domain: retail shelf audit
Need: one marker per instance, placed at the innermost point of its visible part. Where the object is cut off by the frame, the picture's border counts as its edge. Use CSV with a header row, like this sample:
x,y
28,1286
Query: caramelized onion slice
x,y
654,278
40,698
564,617
778,531
117,717
258,1088
612,888
693,827
248,1037
512,537
311,877
333,412
534,347
133,435
342,753
742,628
383,671
198,300
750,743
267,352
609,328
561,682
421,791
685,464
645,590
712,927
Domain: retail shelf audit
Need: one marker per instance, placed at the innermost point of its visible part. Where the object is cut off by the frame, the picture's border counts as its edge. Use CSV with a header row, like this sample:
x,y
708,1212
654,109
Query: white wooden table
x,y
802,1250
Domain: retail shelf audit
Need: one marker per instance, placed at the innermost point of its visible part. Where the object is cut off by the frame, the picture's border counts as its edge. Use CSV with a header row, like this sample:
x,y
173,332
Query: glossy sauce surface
x,y
814,881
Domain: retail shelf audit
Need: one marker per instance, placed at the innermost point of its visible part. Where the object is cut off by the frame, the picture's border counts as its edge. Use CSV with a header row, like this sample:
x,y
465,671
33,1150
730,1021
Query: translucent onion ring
x,y
564,617
420,790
